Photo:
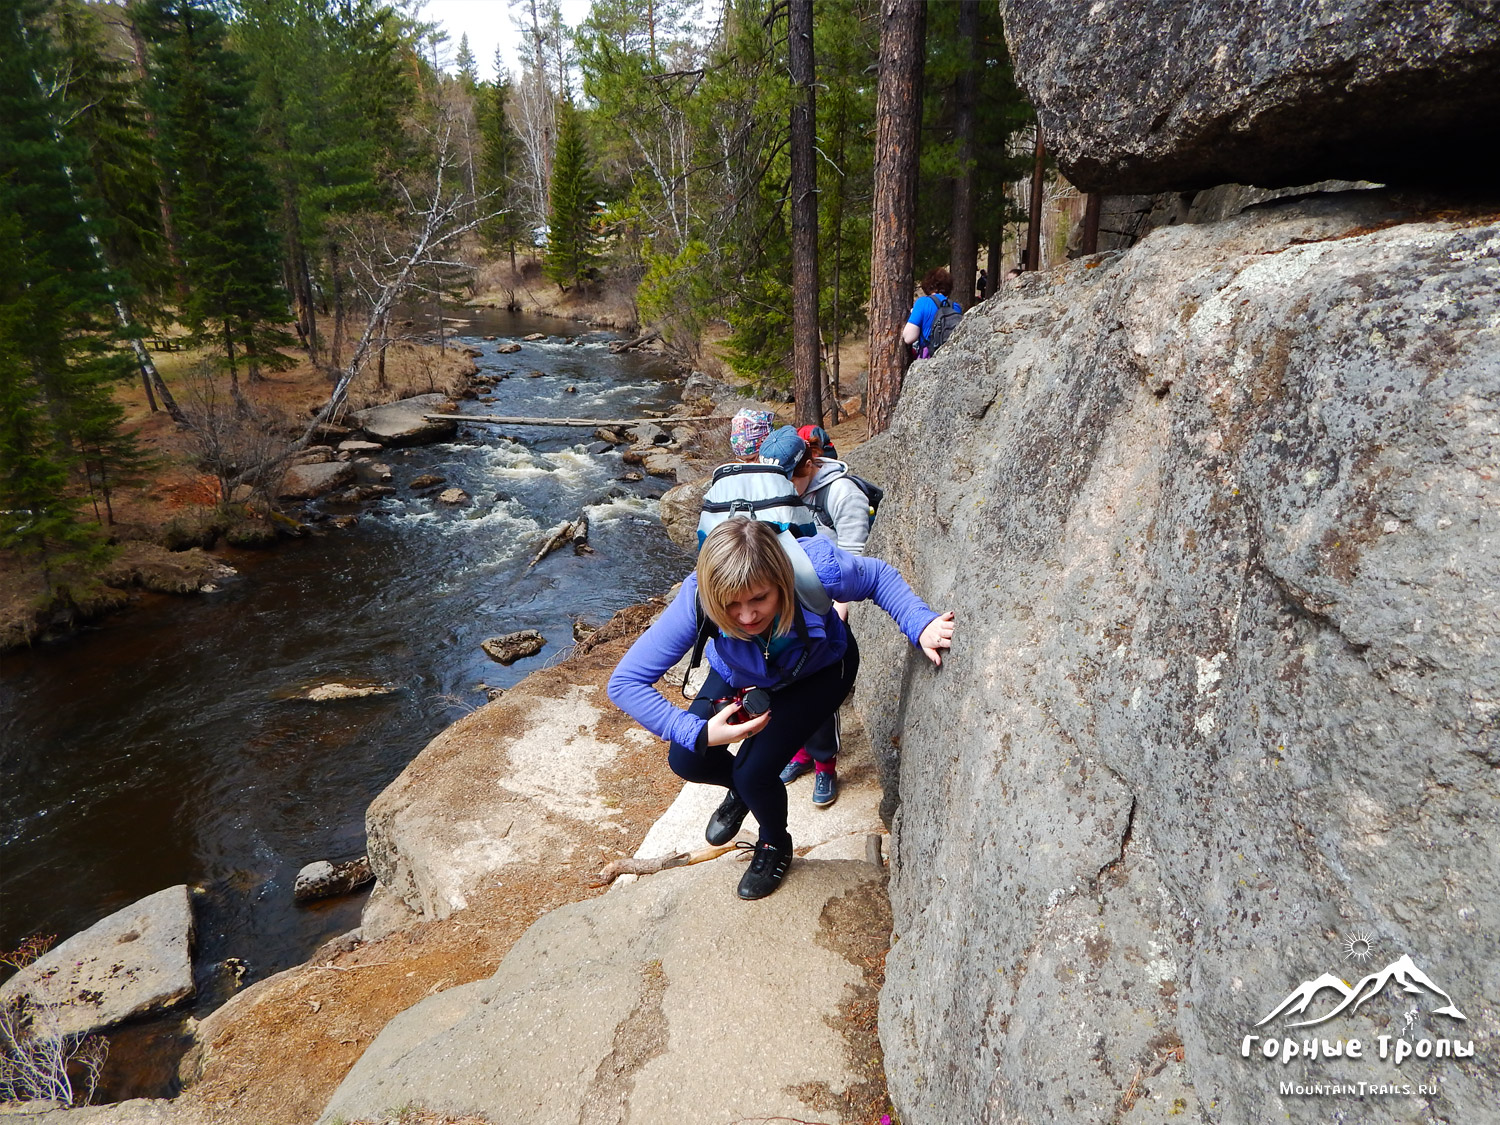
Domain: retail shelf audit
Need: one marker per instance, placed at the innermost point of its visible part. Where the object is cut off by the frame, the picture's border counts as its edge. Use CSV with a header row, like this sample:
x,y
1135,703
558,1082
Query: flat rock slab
x,y
304,482
137,960
138,1111
507,784
642,1005
854,815
405,422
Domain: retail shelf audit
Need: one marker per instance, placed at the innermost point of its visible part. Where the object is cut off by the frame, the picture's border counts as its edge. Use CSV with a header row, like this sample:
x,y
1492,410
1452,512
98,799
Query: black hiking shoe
x,y
767,869
726,820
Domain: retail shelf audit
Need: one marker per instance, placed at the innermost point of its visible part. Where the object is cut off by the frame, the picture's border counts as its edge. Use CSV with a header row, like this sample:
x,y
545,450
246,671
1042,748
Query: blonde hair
x,y
737,556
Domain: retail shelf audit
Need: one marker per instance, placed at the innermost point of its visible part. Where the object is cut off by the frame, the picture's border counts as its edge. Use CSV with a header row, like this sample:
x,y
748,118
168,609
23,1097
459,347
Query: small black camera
x,y
754,703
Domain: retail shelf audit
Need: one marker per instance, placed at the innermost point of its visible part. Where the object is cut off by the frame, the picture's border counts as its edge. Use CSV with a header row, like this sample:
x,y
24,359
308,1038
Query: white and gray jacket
x,y
841,507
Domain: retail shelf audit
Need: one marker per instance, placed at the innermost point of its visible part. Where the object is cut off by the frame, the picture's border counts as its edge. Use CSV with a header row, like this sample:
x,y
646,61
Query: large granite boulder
x,y
1164,96
679,510
406,422
665,1001
135,961
1221,523
306,482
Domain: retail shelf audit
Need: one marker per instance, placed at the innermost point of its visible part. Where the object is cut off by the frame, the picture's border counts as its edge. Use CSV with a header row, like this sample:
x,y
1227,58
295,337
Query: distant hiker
x,y
819,444
933,317
982,284
764,632
747,429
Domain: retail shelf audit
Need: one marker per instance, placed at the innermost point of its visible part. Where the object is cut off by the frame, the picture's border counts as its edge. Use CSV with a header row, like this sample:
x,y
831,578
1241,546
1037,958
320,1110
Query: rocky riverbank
x,y
163,529
463,952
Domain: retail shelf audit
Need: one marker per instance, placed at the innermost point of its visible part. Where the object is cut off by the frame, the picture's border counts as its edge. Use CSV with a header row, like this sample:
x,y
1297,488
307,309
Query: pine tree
x,y
468,68
571,237
59,348
221,195
501,167
110,122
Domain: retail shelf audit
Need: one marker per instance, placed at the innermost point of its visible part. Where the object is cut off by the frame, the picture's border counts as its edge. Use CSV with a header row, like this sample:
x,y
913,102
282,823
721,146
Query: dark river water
x,y
158,747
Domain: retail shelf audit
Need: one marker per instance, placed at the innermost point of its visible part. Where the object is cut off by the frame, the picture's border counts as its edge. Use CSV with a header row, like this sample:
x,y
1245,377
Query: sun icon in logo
x,y
1358,947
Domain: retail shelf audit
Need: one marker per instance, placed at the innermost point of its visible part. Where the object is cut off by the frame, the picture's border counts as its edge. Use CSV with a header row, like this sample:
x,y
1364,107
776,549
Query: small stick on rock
x,y
632,866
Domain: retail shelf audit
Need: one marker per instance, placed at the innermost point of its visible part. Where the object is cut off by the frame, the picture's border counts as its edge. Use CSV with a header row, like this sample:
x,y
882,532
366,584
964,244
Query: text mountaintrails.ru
x,y
1356,1089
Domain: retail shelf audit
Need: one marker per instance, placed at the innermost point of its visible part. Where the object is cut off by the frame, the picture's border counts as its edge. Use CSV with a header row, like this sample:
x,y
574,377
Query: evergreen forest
x,y
268,182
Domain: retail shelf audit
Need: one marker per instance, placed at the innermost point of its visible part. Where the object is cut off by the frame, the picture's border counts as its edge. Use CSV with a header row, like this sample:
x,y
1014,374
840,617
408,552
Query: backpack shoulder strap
x,y
810,590
735,468
700,642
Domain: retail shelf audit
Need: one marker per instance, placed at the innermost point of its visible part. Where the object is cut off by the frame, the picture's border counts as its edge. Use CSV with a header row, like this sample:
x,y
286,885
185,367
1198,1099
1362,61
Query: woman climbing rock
x,y
765,603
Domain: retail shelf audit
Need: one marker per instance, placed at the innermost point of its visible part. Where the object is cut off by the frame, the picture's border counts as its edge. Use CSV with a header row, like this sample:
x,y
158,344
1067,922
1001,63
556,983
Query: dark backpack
x,y
873,493
948,316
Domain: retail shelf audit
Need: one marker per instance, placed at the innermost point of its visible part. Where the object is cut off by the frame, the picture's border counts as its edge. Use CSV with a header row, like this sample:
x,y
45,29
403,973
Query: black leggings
x,y
797,711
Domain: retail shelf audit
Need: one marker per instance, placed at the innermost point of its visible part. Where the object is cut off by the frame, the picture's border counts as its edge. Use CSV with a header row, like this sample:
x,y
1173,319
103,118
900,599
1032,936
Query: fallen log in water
x,y
506,420
640,341
559,535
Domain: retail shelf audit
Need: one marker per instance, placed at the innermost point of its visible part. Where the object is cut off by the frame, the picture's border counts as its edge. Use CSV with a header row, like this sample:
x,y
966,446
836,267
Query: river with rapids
x,y
159,747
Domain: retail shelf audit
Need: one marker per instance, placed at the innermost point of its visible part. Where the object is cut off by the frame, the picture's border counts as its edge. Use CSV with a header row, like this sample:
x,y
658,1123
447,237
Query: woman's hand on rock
x,y
722,730
938,635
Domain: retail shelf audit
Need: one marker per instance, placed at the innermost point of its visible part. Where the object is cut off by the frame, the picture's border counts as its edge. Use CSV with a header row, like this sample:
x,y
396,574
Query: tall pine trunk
x,y
804,218
898,122
335,273
168,223
1034,219
964,253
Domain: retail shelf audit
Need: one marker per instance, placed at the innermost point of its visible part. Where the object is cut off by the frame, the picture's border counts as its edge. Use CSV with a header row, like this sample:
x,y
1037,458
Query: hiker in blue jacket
x,y
768,630
923,317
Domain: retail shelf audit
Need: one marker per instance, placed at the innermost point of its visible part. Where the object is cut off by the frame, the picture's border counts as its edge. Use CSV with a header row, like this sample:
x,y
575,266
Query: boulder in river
x,y
456,497
304,482
337,689
510,647
372,472
135,961
323,879
313,455
404,422
660,463
649,433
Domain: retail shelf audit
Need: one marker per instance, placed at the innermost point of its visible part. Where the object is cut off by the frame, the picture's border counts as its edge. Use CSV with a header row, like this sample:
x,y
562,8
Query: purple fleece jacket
x,y
846,577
